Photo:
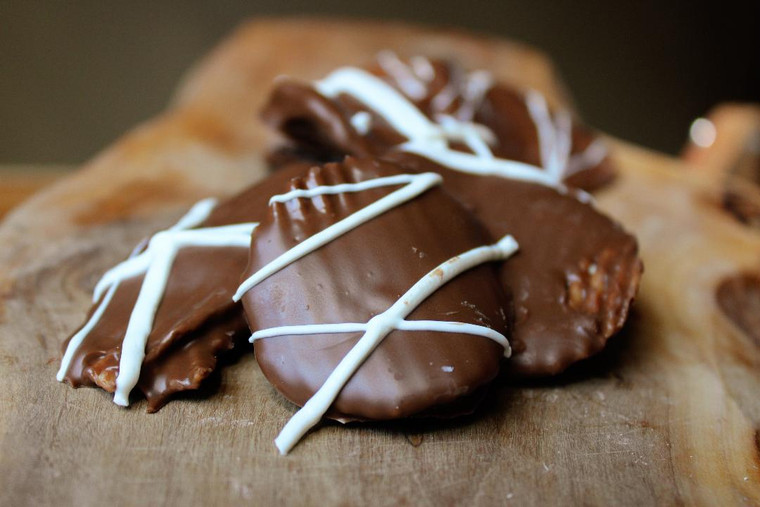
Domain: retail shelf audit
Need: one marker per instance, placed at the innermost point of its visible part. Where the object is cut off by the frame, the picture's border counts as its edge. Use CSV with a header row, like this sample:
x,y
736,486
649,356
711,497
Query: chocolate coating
x,y
577,271
195,323
574,278
505,112
360,275
321,128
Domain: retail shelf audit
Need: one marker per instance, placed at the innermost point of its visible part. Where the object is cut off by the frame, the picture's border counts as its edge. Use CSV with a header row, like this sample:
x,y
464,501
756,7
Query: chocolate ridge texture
x,y
572,282
360,275
577,272
321,127
195,322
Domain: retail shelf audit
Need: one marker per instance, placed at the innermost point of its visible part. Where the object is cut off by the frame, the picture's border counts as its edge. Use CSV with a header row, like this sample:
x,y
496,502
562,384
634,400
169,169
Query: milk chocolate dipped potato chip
x,y
170,304
510,161
387,283
324,123
360,252
574,278
670,416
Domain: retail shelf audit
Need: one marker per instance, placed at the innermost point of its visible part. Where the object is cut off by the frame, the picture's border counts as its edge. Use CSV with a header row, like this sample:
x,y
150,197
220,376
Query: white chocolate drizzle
x,y
342,188
407,77
404,325
378,327
475,89
383,99
156,263
416,184
423,68
483,166
362,122
591,156
431,139
554,135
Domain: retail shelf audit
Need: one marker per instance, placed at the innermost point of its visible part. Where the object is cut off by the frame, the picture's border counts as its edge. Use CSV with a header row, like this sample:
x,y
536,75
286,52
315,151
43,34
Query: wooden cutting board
x,y
668,414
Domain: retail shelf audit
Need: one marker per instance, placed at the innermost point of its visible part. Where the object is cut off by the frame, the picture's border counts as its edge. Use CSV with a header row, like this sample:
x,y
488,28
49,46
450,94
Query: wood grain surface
x,y
19,182
669,413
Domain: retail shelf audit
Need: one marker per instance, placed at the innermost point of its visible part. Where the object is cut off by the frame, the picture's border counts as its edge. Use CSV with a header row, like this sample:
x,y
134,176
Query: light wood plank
x,y
667,414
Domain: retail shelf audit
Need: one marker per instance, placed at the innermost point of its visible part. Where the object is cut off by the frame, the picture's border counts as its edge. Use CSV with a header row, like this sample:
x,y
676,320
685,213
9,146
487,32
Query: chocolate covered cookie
x,y
373,295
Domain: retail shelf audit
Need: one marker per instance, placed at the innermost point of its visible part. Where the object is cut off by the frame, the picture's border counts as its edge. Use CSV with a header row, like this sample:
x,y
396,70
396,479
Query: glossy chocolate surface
x,y
577,271
360,275
574,278
195,322
320,128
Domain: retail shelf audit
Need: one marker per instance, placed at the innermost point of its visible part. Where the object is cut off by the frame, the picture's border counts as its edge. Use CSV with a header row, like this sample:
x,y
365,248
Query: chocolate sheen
x,y
572,281
362,274
195,322
321,127
577,271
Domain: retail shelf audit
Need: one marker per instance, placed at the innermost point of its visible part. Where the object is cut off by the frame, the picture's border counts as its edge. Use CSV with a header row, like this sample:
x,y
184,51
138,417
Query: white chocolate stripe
x,y
554,136
362,122
539,113
126,269
156,262
591,156
404,325
165,247
423,68
378,328
430,140
472,164
419,183
342,188
132,267
442,326
401,114
476,87
197,214
80,335
139,263
141,318
444,98
304,329
405,76
476,137
562,145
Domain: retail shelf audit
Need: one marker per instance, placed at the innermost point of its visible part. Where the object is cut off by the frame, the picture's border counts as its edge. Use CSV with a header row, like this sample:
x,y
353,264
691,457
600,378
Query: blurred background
x,y
76,75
